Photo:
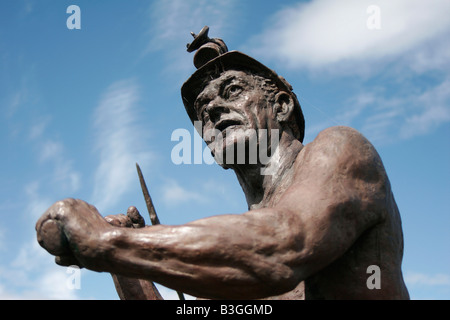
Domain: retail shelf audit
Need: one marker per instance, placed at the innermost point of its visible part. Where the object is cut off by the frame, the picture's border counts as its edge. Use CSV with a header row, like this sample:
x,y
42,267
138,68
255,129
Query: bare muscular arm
x,y
132,288
260,253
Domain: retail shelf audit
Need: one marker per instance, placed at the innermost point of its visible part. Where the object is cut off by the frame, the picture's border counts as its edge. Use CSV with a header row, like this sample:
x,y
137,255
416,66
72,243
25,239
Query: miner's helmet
x,y
213,58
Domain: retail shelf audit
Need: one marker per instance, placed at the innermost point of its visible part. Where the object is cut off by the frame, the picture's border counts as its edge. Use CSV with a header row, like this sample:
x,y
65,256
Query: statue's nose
x,y
215,109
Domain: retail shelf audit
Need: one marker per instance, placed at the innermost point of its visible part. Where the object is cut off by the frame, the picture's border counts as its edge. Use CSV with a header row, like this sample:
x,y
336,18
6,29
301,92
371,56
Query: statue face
x,y
234,110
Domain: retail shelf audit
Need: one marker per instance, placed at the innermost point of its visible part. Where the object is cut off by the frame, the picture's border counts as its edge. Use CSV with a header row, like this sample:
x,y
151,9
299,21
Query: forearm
x,y
217,257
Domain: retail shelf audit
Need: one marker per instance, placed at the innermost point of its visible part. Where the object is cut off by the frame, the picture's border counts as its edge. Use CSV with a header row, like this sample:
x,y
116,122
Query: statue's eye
x,y
200,105
233,91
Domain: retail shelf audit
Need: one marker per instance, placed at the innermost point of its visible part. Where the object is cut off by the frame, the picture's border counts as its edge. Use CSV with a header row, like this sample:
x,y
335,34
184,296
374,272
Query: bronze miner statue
x,y
320,216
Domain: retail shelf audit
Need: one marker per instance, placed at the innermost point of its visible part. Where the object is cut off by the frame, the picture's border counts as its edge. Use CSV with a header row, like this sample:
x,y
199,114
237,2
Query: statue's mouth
x,y
227,124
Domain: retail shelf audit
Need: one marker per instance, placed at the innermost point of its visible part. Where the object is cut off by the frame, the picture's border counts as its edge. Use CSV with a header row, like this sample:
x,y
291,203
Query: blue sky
x,y
80,107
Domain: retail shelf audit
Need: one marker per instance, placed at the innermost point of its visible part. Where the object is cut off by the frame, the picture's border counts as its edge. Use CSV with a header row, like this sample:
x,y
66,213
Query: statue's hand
x,y
132,288
132,219
70,230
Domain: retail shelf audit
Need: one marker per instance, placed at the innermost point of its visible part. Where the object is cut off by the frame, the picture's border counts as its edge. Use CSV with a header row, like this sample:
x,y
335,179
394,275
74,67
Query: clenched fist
x,y
72,230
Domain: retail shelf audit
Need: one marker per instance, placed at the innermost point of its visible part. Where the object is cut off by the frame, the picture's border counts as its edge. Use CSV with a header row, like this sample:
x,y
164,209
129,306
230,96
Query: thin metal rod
x,y
148,200
151,208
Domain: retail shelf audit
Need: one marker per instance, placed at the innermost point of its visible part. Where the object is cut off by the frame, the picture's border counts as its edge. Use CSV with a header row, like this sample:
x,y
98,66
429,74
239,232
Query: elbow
x,y
282,281
273,279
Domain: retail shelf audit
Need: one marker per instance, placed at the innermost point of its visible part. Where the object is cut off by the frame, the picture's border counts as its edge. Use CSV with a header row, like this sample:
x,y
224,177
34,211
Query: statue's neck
x,y
263,183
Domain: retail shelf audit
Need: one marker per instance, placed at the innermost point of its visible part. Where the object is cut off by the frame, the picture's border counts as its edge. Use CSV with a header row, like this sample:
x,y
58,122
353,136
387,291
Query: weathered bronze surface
x,y
316,222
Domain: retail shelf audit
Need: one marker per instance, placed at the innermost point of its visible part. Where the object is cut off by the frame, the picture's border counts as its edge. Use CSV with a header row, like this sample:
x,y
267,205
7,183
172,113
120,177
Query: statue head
x,y
233,93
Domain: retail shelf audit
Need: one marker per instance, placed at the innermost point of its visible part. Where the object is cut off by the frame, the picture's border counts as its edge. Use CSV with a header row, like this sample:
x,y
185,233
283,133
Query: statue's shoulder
x,y
343,139
343,148
340,160
341,135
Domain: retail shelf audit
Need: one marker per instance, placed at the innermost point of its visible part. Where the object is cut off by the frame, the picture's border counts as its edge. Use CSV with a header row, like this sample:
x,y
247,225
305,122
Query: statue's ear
x,y
284,106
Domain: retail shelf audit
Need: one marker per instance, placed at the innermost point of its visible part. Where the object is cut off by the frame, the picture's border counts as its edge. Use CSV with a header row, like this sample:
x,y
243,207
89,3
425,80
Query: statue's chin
x,y
228,158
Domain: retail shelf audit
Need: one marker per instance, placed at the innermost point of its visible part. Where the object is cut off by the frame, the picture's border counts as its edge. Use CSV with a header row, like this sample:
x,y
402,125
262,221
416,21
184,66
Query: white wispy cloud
x,y
174,194
325,33
51,151
37,201
33,275
2,238
119,143
15,101
38,128
404,117
331,38
386,119
172,20
30,272
417,278
432,109
201,195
